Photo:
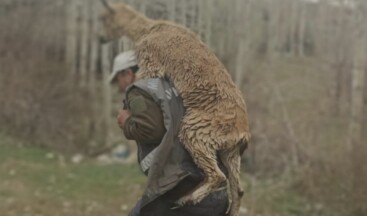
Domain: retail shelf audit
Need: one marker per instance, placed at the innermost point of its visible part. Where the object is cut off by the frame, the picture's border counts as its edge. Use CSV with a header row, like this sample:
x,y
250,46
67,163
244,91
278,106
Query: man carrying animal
x,y
151,116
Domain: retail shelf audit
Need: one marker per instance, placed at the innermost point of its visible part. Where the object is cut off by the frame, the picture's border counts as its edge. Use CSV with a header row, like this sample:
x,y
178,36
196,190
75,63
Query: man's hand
x,y
122,116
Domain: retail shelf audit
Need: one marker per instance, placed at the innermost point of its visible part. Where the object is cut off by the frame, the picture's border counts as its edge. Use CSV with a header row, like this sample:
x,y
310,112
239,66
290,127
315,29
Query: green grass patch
x,y
273,197
29,178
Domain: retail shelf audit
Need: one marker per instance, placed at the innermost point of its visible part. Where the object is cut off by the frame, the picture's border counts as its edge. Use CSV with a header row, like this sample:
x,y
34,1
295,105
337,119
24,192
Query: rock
x,y
52,179
120,152
66,204
12,172
243,210
104,159
119,155
50,155
77,159
124,207
61,161
9,201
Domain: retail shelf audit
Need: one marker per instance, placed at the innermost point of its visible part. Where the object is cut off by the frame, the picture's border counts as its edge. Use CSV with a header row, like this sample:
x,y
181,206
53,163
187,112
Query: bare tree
x,y
358,83
71,36
84,49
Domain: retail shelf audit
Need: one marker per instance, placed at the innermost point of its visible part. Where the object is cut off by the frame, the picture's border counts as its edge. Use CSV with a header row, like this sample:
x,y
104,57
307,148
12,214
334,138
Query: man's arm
x,y
143,121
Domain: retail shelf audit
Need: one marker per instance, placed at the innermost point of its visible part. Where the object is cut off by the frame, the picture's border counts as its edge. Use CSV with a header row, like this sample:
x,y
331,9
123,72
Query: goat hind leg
x,y
206,160
232,161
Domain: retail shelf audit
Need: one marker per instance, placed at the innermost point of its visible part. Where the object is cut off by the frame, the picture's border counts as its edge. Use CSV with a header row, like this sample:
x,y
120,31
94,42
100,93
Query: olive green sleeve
x,y
145,124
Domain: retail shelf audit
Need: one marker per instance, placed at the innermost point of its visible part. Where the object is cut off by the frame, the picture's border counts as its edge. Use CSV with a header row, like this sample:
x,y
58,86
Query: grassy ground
x,y
34,183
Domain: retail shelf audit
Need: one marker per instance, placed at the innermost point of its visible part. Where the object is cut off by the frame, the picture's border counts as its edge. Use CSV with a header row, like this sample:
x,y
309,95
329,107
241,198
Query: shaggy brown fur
x,y
215,122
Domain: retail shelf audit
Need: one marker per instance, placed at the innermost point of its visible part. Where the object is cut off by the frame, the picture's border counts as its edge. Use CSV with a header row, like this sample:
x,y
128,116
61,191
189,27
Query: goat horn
x,y
107,5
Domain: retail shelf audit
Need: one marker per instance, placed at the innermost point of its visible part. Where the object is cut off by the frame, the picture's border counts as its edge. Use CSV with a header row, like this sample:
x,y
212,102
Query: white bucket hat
x,y
121,62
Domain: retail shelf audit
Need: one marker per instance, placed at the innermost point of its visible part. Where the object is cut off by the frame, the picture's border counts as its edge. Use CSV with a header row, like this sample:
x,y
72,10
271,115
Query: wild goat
x,y
215,123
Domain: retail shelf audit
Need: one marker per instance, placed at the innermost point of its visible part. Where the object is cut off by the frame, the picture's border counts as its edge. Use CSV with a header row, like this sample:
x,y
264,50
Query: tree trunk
x,y
292,28
357,89
172,9
273,28
72,36
301,30
107,98
208,34
84,44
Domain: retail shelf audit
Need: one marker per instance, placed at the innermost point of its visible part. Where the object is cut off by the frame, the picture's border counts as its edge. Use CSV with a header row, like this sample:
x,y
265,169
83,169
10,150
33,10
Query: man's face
x,y
124,79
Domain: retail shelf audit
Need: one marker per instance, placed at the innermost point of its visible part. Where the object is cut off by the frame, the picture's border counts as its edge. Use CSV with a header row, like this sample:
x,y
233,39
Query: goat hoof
x,y
228,210
229,206
241,193
184,201
189,199
175,206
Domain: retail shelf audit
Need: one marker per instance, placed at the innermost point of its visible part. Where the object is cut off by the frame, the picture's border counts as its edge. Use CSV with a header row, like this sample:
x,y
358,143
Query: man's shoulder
x,y
136,92
147,86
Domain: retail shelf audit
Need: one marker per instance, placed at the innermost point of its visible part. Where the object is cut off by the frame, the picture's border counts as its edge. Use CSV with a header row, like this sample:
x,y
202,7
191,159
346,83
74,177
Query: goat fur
x,y
215,123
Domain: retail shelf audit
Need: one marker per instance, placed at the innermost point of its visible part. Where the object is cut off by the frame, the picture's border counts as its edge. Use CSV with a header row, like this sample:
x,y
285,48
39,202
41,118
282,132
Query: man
x,y
150,123
151,116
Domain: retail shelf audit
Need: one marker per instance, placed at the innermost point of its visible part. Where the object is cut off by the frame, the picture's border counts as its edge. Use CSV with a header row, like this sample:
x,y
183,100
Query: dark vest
x,y
170,163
